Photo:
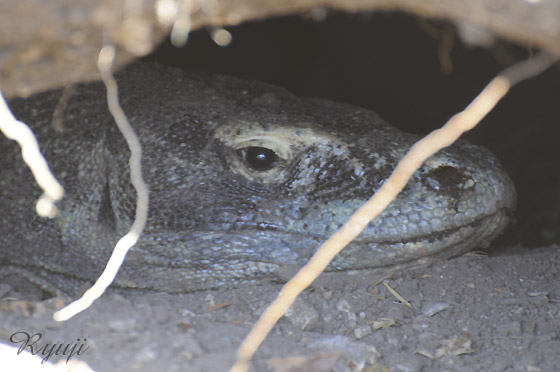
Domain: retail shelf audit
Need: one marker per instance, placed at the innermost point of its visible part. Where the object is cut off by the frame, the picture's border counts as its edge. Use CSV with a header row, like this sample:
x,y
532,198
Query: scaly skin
x,y
218,217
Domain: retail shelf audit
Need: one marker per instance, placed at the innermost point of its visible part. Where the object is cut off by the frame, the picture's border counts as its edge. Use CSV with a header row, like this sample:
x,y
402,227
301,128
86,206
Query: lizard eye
x,y
258,158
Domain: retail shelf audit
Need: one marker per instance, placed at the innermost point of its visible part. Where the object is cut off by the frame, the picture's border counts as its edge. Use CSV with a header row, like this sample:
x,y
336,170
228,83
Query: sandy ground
x,y
471,313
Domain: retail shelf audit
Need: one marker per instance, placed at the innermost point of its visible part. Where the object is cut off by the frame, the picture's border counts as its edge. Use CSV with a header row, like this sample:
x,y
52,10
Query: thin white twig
x,y
105,62
183,23
23,135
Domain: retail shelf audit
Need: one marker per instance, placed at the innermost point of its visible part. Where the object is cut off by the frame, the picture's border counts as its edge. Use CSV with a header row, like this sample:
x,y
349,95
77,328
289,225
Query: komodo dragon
x,y
244,179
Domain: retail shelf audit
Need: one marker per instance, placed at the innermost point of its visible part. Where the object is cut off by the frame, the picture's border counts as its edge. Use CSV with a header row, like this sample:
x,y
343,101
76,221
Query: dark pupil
x,y
260,158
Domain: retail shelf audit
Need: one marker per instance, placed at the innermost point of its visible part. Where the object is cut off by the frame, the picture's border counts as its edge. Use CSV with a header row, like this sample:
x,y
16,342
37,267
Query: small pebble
x,y
431,309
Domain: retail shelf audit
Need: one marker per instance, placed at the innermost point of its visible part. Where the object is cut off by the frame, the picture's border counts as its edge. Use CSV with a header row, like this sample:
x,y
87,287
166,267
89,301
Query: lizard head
x,y
246,178
245,181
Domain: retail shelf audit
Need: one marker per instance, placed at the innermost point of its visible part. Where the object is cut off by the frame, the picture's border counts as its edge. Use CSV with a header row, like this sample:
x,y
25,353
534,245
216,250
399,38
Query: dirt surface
x,y
471,313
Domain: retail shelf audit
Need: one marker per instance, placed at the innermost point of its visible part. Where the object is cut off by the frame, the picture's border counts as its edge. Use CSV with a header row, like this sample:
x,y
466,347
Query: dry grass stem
x,y
418,153
397,295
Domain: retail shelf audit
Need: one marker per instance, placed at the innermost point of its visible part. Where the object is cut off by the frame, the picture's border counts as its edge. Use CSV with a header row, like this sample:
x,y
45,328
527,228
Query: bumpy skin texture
x,y
214,219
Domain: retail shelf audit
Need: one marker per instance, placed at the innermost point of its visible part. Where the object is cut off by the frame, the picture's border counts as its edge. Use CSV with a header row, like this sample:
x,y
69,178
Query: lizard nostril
x,y
448,178
445,171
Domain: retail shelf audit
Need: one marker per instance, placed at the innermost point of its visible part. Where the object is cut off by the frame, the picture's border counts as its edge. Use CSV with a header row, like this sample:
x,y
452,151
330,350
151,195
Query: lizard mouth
x,y
267,242
185,259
